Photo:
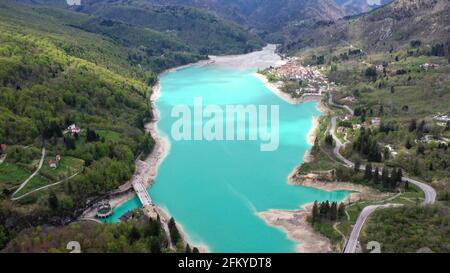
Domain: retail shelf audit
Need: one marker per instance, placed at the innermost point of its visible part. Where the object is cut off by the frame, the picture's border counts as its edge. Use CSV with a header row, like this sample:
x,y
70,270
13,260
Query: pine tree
x,y
393,179
315,212
376,176
327,209
173,230
53,201
91,135
155,245
399,175
408,144
368,172
329,140
421,128
333,211
341,211
385,177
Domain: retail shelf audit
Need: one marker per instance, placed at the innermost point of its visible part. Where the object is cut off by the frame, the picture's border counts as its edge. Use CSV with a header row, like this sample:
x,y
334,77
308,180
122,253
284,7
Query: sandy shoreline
x,y
294,222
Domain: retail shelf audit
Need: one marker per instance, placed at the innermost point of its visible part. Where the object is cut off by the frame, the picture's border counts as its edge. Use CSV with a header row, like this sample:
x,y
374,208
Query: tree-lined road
x,y
352,242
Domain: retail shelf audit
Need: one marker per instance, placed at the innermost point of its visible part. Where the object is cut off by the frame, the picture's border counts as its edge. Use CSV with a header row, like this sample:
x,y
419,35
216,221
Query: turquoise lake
x,y
214,189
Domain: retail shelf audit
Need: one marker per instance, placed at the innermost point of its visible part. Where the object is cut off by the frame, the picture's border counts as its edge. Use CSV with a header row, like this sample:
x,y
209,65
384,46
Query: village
x,y
349,125
299,80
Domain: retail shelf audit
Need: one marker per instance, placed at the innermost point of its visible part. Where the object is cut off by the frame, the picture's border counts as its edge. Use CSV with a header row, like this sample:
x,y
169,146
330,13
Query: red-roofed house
x,y
54,163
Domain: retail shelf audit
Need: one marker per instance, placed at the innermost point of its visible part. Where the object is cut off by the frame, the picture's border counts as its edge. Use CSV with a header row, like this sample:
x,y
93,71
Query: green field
x,y
109,135
67,167
12,175
36,182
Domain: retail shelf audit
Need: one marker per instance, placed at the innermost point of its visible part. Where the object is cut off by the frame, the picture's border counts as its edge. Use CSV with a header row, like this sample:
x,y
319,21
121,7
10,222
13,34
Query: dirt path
x,y
41,162
45,187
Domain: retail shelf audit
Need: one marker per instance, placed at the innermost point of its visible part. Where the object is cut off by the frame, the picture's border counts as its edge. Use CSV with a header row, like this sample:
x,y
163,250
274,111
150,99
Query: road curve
x,y
41,162
430,193
352,242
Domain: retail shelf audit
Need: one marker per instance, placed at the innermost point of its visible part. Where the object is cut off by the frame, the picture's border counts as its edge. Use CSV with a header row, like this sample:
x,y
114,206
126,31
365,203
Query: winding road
x,y
352,242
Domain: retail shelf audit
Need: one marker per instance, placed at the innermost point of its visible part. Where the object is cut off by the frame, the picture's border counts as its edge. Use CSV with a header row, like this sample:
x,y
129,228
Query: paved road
x,y
352,241
430,193
41,162
338,144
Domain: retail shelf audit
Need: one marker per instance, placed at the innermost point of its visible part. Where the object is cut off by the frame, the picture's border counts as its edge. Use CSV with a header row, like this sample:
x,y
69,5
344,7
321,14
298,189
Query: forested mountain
x,y
52,76
200,32
93,68
278,20
265,16
391,26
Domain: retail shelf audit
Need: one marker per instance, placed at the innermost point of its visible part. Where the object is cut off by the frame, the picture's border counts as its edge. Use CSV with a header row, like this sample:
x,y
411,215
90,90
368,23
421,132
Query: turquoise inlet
x,y
215,189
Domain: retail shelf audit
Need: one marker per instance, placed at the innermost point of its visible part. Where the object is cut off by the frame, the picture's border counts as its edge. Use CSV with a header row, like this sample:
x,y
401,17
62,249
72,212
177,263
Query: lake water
x,y
214,189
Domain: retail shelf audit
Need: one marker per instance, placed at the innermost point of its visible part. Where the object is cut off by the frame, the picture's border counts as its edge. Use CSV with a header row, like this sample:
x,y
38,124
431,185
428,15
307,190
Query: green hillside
x,y
44,90
205,33
392,68
60,67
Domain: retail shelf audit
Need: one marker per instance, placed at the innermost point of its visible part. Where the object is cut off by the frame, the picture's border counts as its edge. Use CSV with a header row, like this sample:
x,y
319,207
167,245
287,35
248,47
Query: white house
x,y
376,121
73,129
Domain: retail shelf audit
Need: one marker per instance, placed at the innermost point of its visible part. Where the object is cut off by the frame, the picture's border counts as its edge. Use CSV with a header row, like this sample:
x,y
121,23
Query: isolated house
x,y
73,129
376,122
54,163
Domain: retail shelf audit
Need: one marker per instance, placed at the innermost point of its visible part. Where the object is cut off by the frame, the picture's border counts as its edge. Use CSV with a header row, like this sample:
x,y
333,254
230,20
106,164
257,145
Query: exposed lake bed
x,y
217,190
